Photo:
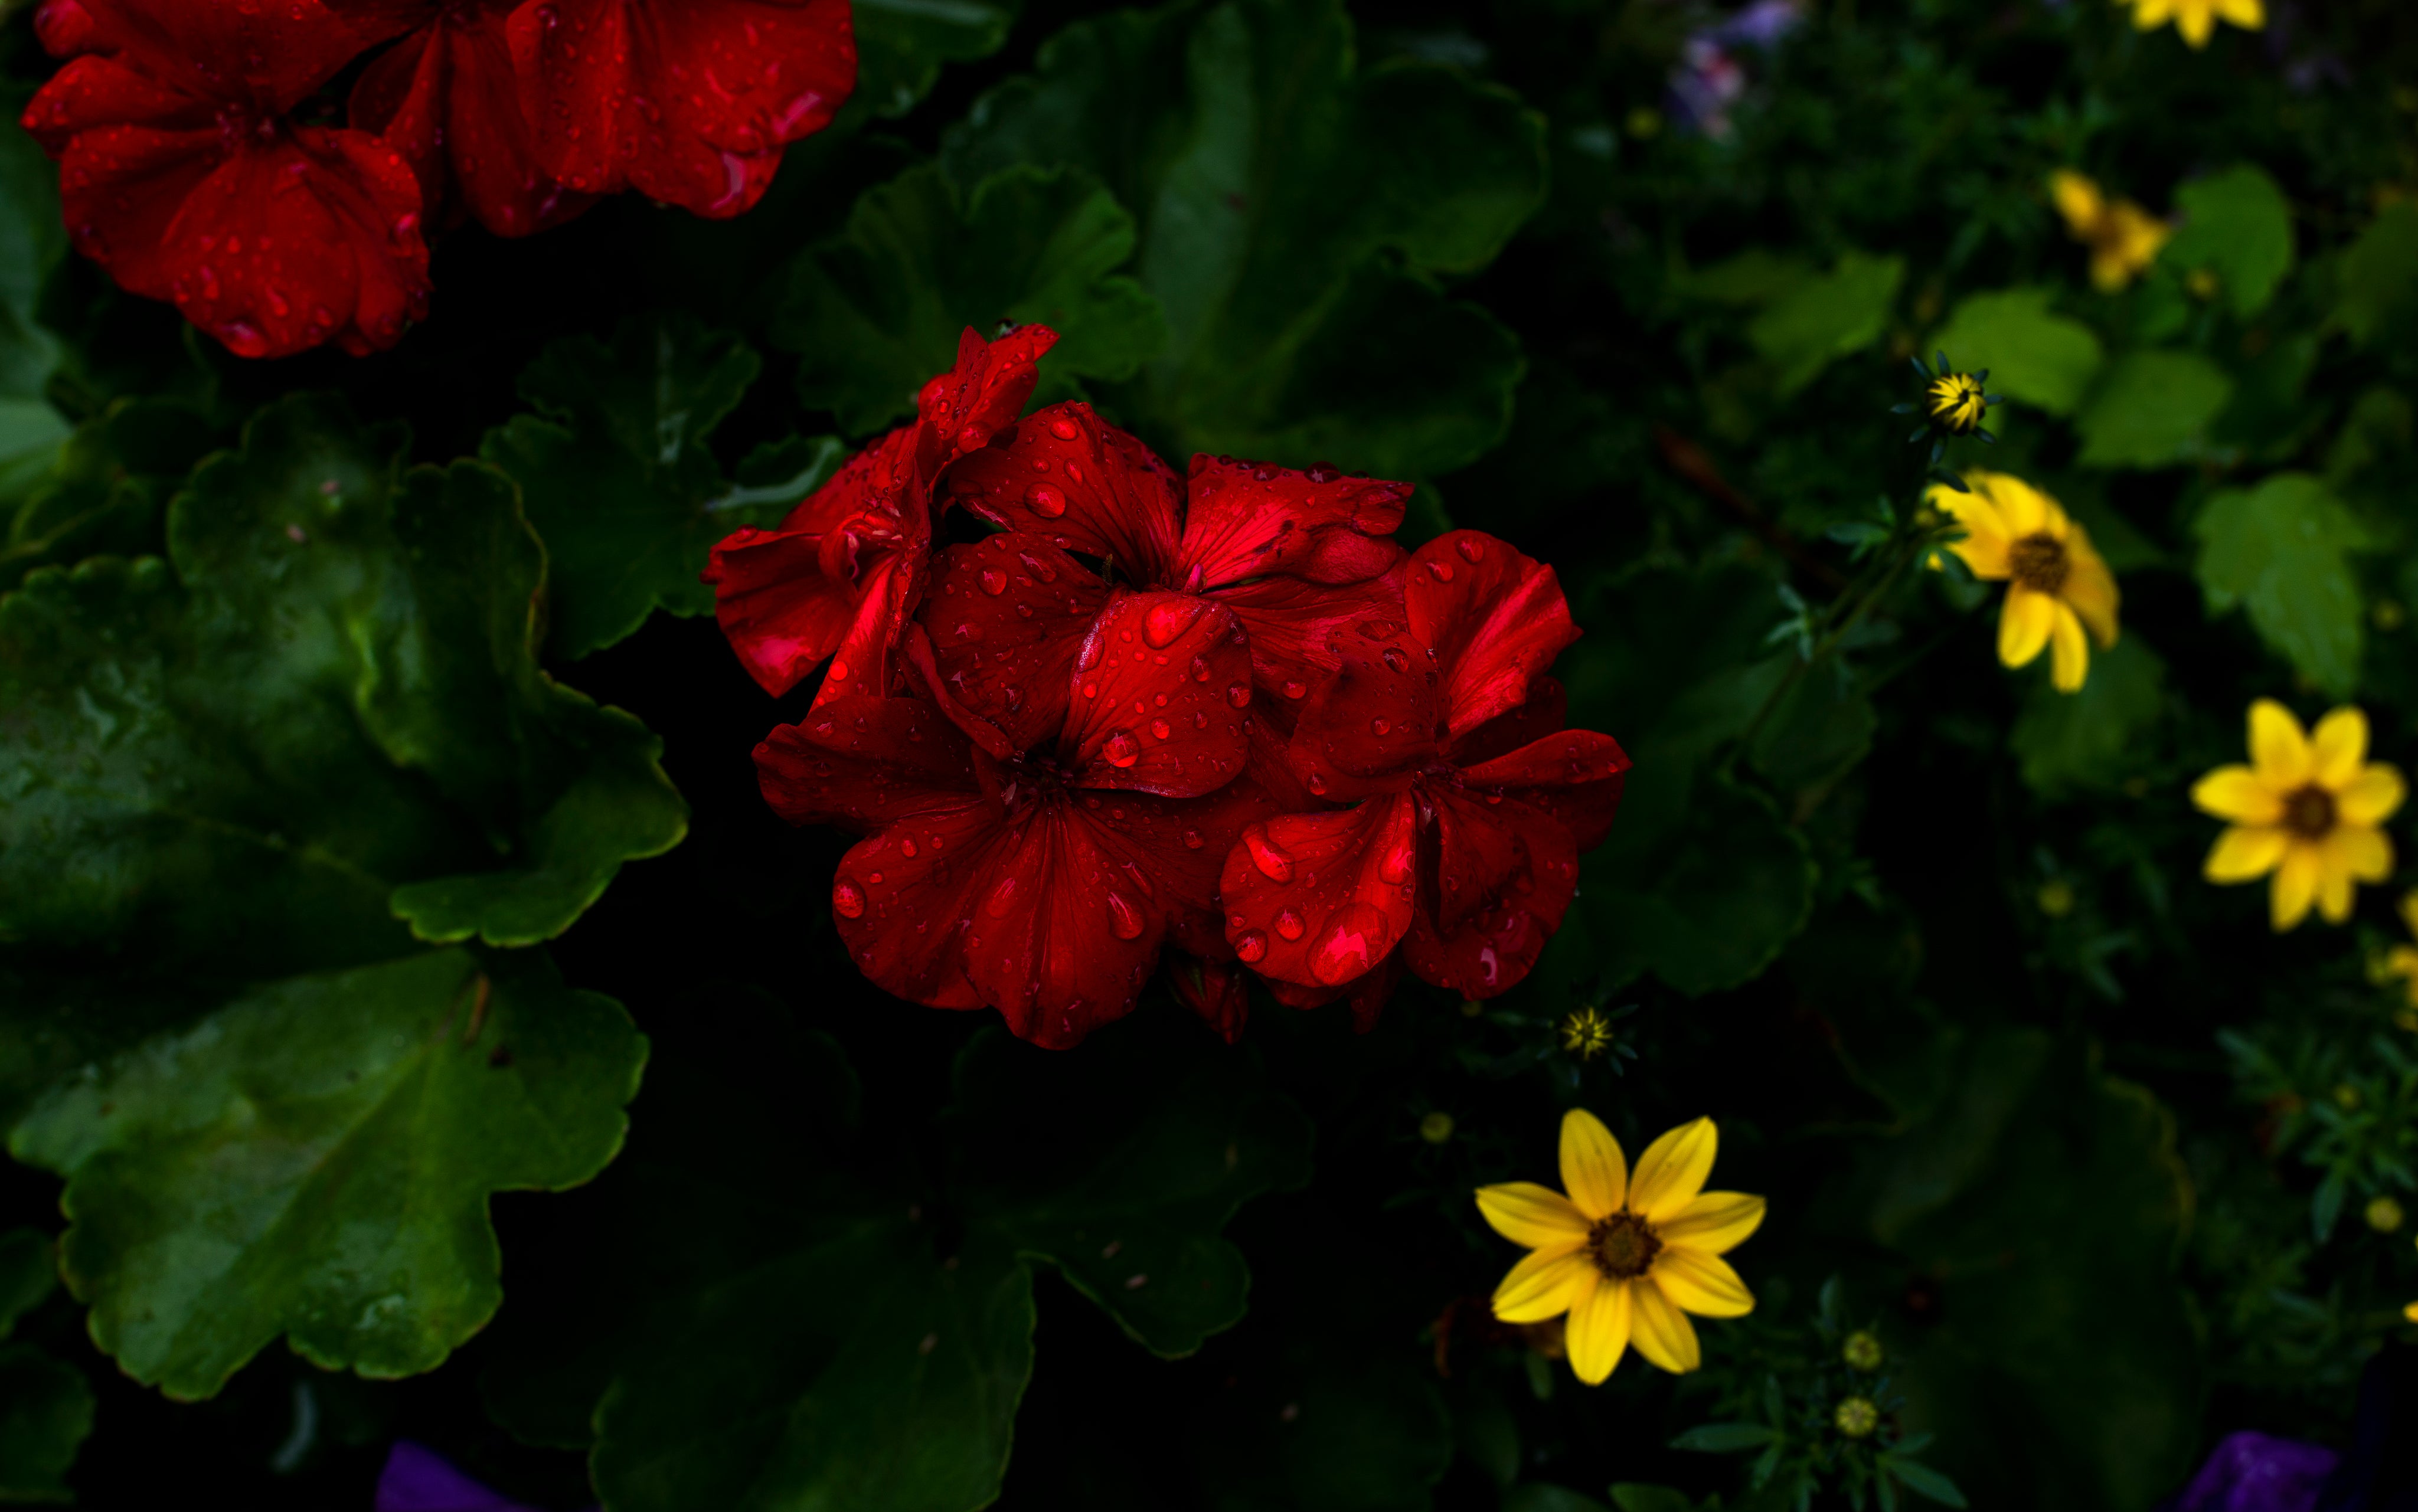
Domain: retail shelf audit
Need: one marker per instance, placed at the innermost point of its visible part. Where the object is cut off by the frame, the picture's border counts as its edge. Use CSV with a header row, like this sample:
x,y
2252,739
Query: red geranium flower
x,y
1474,805
842,575
688,102
447,98
181,175
1036,872
1295,556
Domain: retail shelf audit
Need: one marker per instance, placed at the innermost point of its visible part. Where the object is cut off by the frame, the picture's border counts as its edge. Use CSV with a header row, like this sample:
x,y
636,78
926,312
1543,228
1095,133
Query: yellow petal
x,y
1598,1332
1702,1284
2296,886
2024,624
1714,1224
2409,909
2372,797
2361,853
1593,1171
2091,587
2245,853
2196,21
2077,199
1660,1331
2024,508
1545,1284
2338,748
2248,14
1985,546
2410,1312
2148,13
1673,1170
2069,649
1537,1216
2237,793
2277,747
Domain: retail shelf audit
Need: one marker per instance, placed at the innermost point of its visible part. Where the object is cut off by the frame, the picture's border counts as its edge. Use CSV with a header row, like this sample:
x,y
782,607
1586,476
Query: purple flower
x,y
2254,1473
1708,80
418,1479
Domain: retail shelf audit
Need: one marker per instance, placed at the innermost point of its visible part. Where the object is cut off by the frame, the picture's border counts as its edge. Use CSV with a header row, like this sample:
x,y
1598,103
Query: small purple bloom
x,y
1708,80
418,1479
2254,1473
1762,24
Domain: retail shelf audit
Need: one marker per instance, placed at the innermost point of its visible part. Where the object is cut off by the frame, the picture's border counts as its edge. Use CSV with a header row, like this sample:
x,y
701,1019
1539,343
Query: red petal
x,y
1070,476
1299,631
1575,775
1218,991
1504,876
1319,899
1159,689
863,763
93,93
788,597
266,56
447,98
1367,995
1373,722
868,659
1007,616
1247,520
1496,619
688,102
903,917
1545,712
67,28
1177,853
960,411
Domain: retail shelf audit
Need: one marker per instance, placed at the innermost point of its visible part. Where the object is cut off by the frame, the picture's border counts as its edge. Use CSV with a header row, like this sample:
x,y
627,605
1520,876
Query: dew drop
x,y
1124,920
1250,945
1167,619
1064,429
1002,898
1121,748
1294,690
1273,860
1355,938
1440,572
1192,840
1239,695
1046,501
1289,925
847,899
1395,659
1472,548
1381,726
994,582
1161,730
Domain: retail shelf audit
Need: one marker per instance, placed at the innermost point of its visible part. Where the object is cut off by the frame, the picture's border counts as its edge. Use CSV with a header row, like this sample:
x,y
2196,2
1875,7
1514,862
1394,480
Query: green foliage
x,y
2238,226
46,1411
1822,319
2095,738
2151,408
902,44
2282,551
878,310
2031,354
1296,212
2378,278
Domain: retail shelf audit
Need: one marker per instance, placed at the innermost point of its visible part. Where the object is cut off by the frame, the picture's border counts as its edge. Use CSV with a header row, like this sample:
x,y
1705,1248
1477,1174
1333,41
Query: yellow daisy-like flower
x,y
2196,19
1586,1034
1627,1256
2307,808
2057,584
1957,403
2123,239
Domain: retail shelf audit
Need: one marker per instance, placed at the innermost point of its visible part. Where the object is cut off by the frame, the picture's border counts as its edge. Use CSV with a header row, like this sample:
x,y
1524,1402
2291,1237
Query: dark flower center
x,y
2038,562
2310,812
1623,1247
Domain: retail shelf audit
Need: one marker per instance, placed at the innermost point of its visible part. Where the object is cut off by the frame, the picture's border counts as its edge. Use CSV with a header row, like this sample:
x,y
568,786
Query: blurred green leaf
x,y
1324,1428
2238,225
901,44
1296,212
2378,283
2095,738
107,491
2031,353
1724,1438
1537,1496
1702,888
1630,1496
33,241
617,475
314,1159
29,1268
876,312
1834,315
1756,276
2148,407
1925,1481
2282,550
46,1413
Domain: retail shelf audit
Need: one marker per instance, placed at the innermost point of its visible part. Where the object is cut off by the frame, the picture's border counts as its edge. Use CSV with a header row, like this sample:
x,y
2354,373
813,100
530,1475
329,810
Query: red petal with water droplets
x,y
1575,775
447,98
688,102
904,918
261,56
1366,996
1007,616
1495,619
960,411
1299,631
788,597
1244,520
1546,712
1179,846
67,29
1076,480
1319,899
864,763
1218,991
1373,722
1151,705
1504,876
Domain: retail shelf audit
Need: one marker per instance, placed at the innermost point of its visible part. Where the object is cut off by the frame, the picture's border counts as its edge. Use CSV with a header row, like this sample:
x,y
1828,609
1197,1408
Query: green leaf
x,y
107,491
1925,1481
616,476
1723,1438
2238,225
1296,212
46,1411
314,1159
33,242
2092,739
2150,408
1834,315
1153,1145
1537,1496
2282,550
1330,1427
29,1268
874,311
900,45
323,714
2378,283
1630,1496
1702,888
2032,354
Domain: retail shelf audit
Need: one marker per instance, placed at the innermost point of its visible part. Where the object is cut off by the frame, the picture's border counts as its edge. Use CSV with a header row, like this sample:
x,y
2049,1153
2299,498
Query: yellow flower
x,y
1856,1417
1586,1034
2056,582
1628,1258
2402,961
2196,19
1957,403
2124,237
2307,809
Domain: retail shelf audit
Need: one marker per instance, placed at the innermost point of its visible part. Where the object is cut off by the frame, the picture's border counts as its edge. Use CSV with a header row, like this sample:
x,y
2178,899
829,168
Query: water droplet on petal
x,y
1168,619
1239,695
1274,860
1395,659
1161,728
1121,748
1472,548
1002,898
1440,572
994,582
1064,429
1354,939
1046,501
906,849
1381,726
847,899
1124,920
1192,840
1289,925
1294,690
1250,945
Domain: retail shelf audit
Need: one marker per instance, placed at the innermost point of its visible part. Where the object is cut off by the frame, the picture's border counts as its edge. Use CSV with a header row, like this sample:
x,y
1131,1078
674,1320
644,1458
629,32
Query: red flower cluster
x,y
1226,711
191,167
